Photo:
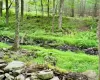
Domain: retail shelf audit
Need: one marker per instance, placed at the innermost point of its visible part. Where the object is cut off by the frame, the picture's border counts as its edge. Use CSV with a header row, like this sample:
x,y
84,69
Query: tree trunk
x,y
7,13
60,14
95,8
82,7
72,8
42,8
35,7
22,10
53,21
99,45
48,8
16,41
98,34
56,9
1,5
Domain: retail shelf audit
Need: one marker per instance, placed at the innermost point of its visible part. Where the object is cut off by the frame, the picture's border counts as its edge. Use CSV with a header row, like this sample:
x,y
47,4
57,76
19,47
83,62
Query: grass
x,y
3,45
36,27
70,61
81,39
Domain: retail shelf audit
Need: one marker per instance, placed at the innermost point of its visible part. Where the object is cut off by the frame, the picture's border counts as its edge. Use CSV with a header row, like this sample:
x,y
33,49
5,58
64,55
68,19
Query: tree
x,y
98,34
42,8
72,8
7,12
35,6
60,14
16,41
56,9
22,10
1,5
95,8
53,16
82,7
48,7
99,45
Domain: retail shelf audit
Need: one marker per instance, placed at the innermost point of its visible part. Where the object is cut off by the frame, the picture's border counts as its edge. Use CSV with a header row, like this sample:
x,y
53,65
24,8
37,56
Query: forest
x,y
49,39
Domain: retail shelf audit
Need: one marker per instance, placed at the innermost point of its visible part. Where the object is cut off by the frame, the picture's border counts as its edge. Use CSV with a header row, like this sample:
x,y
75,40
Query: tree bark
x,y
1,5
60,14
7,12
35,7
82,7
72,8
22,10
56,9
42,8
95,8
48,8
16,41
98,34
53,21
99,45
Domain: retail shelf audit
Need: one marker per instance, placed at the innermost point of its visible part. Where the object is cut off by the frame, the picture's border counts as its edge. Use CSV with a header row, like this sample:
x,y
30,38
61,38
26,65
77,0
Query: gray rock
x,y
1,72
20,77
33,74
1,77
90,74
17,72
28,78
1,55
45,75
2,61
3,65
55,78
16,65
5,49
9,77
34,77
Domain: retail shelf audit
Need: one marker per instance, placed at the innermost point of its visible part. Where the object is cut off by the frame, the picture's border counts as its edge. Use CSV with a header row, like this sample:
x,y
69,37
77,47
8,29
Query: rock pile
x,y
17,70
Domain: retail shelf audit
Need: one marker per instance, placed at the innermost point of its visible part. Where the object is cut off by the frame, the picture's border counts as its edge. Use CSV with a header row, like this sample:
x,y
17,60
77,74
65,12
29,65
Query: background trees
x,y
1,6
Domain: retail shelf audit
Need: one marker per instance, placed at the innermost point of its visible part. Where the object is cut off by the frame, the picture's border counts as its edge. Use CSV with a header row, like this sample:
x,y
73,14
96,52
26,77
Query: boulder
x,y
28,78
45,75
1,55
15,65
9,77
74,76
17,72
90,74
1,77
20,77
55,78
2,61
1,72
3,65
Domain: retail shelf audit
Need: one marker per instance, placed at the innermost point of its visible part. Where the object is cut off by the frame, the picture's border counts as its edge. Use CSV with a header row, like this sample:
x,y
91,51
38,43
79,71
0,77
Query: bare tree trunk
x,y
82,7
48,8
22,10
99,45
95,8
35,7
56,10
60,14
7,12
1,5
72,8
16,41
98,34
42,8
53,21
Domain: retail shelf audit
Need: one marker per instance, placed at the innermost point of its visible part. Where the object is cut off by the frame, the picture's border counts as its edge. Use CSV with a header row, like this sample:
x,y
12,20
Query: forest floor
x,y
68,47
